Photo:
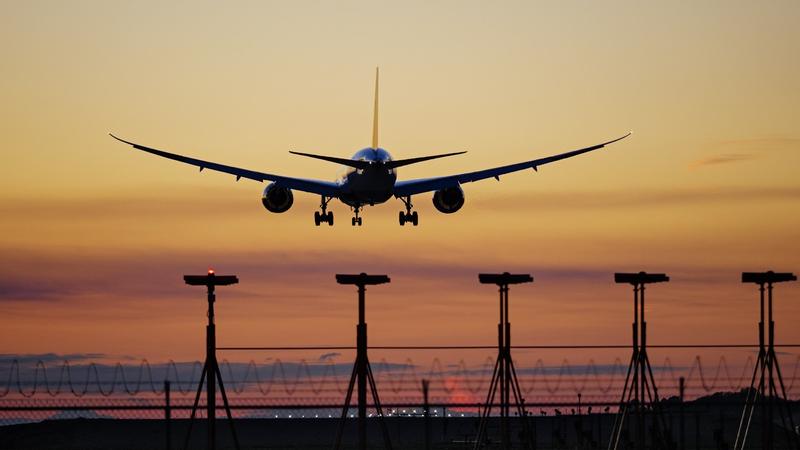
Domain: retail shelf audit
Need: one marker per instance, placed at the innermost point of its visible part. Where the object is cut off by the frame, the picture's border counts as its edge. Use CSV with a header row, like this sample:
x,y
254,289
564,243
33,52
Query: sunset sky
x,y
95,236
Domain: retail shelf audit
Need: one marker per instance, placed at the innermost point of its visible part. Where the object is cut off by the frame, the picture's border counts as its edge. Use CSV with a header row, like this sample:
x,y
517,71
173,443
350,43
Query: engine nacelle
x,y
449,200
277,199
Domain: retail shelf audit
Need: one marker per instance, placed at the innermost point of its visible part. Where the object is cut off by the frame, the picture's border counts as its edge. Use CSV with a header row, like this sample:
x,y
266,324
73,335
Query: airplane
x,y
370,178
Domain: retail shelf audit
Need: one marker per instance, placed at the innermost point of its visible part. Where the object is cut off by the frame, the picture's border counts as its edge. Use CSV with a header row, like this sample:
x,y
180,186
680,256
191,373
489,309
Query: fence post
x,y
682,421
427,413
167,415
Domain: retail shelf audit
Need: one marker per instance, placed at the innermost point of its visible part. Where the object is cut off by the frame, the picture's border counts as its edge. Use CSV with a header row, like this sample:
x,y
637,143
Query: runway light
x,y
767,277
210,271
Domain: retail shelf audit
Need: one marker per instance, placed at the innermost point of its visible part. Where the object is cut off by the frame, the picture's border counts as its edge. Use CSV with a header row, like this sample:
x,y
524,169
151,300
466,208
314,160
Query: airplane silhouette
x,y
370,179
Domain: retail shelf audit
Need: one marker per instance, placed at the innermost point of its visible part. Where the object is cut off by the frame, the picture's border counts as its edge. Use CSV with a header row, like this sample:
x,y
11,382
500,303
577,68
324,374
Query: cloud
x,y
725,158
33,290
634,198
329,356
33,358
179,202
265,275
746,149
69,275
193,204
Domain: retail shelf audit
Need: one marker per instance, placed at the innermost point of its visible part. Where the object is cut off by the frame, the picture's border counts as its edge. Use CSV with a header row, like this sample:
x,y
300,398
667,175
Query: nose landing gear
x,y
325,216
409,215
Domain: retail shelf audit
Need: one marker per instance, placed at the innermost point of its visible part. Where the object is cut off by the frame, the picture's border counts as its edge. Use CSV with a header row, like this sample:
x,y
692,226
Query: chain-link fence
x,y
293,398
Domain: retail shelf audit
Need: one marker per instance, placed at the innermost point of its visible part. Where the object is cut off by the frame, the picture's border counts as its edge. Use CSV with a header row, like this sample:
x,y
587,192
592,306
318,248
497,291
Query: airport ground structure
x,y
572,395
635,395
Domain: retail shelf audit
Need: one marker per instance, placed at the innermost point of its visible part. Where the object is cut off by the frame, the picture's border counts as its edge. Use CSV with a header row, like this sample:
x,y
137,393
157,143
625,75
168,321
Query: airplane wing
x,y
418,186
320,187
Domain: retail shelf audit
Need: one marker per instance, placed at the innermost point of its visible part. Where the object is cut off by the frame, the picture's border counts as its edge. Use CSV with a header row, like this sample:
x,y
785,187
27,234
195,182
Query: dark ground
x,y
709,423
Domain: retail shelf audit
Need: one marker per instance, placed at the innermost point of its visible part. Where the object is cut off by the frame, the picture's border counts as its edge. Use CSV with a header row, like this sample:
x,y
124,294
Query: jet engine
x,y
449,200
277,199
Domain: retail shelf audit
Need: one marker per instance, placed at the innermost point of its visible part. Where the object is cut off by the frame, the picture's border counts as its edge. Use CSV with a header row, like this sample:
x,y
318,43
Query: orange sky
x,y
94,237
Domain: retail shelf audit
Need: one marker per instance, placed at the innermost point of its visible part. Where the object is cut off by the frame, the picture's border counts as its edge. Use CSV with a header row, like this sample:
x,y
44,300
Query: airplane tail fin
x,y
375,114
364,164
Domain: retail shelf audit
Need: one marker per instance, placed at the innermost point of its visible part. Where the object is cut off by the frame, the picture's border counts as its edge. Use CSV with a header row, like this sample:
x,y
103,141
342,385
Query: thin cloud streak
x,y
176,203
560,201
725,158
70,277
28,289
748,149
186,203
33,358
307,275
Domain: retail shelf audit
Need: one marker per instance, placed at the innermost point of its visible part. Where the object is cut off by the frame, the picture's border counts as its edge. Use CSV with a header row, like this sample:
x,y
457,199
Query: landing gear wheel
x,y
408,216
324,215
356,219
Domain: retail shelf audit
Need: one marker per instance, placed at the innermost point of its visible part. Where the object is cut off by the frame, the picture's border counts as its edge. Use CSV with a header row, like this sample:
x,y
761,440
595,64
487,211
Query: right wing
x,y
326,188
418,186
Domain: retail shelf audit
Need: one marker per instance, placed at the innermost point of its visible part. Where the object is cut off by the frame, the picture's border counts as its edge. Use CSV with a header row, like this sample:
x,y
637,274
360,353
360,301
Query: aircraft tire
x,y
329,218
402,218
414,218
317,218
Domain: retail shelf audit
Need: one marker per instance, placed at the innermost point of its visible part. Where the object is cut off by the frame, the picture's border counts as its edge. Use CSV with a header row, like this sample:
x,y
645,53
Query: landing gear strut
x,y
356,220
325,215
408,215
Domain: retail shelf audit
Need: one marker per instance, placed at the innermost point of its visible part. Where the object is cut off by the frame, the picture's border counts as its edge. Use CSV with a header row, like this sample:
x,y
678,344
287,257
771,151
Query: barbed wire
x,y
294,378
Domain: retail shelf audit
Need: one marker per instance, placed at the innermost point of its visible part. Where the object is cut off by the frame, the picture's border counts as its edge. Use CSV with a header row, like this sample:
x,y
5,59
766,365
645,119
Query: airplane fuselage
x,y
369,186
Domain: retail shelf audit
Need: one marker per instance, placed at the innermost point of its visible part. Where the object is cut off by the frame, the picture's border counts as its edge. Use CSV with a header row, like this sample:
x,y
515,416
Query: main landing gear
x,y
325,216
356,220
408,215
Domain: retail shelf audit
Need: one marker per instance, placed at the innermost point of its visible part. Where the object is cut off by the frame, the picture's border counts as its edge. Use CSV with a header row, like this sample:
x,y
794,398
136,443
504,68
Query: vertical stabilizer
x,y
375,114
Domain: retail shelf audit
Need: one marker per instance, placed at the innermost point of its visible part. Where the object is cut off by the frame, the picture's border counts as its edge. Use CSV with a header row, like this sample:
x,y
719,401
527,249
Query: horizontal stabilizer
x,y
405,162
358,164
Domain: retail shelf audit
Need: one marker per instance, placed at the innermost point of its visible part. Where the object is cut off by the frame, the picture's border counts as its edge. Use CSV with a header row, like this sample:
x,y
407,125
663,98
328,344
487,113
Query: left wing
x,y
418,186
326,188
